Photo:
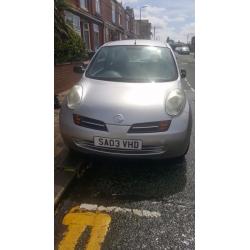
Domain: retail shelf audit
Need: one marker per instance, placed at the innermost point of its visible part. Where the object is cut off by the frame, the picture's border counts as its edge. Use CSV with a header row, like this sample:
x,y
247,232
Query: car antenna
x,y
135,42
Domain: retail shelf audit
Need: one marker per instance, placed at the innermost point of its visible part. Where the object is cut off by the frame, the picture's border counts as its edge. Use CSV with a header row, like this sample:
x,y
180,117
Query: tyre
x,y
73,153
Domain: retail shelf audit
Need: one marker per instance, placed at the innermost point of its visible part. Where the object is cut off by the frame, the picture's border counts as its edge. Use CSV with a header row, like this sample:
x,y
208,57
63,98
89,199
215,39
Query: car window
x,y
133,64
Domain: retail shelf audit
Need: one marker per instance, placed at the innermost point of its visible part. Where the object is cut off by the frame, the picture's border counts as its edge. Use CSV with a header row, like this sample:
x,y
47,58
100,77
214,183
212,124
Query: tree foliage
x,y
70,49
61,29
68,45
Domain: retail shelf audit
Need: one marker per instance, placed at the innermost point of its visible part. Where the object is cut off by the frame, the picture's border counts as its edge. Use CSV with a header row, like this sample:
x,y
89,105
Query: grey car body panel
x,y
137,103
103,100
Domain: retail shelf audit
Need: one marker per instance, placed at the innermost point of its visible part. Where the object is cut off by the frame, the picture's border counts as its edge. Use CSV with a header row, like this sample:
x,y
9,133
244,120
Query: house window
x,y
107,34
86,37
120,17
73,21
127,18
113,12
84,4
96,36
98,6
114,35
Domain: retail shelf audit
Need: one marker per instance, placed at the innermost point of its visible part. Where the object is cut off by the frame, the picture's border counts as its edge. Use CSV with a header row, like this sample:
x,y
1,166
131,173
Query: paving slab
x,y
66,166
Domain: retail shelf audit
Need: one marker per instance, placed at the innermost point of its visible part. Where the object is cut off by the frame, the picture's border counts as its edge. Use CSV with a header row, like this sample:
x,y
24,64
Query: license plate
x,y
117,143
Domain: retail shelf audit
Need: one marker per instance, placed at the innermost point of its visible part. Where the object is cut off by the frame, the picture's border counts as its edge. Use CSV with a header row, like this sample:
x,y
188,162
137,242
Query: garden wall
x,y
65,77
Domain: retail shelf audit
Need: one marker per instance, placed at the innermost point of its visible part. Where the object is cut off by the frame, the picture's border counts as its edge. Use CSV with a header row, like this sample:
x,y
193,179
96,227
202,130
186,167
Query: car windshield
x,y
133,64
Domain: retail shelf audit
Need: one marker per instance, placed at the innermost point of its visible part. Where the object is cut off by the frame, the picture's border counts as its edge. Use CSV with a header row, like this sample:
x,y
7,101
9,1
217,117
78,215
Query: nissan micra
x,y
129,102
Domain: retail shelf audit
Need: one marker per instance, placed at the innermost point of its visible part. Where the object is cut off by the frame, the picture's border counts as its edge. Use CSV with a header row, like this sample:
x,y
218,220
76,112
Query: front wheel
x,y
73,153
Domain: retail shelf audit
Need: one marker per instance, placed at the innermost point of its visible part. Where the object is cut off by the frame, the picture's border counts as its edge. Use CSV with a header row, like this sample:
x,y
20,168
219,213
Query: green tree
x,y
61,29
68,45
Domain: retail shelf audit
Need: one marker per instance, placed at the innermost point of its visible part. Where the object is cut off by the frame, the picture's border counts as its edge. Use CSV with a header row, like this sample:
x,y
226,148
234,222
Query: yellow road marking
x,y
77,222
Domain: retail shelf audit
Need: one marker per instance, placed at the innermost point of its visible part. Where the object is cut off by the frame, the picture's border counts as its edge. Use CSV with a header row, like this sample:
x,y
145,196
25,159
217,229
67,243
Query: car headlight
x,y
74,97
175,102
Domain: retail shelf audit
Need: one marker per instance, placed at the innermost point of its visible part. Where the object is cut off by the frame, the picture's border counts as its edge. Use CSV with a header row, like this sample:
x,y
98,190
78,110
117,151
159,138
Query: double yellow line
x,y
77,221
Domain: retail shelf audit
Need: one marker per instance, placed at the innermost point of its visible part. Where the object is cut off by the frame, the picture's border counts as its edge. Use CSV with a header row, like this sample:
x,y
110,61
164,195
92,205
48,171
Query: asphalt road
x,y
187,62
150,204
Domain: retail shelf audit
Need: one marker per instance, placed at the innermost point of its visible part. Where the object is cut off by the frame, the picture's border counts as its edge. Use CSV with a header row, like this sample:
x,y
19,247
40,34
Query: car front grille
x,y
146,149
147,127
89,122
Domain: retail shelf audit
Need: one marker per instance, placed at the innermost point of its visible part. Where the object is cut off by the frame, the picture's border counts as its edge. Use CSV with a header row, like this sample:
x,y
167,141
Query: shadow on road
x,y
112,180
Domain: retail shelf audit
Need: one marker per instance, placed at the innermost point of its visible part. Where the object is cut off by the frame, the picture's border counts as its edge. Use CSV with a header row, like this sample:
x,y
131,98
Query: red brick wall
x,y
106,10
64,77
91,5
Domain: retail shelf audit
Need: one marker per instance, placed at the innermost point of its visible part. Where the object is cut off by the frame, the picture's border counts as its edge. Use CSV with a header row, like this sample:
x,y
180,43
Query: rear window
x,y
133,64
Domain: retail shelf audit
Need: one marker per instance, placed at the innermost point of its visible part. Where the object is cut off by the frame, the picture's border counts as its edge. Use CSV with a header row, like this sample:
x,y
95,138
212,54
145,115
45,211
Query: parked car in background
x,y
129,103
177,49
184,50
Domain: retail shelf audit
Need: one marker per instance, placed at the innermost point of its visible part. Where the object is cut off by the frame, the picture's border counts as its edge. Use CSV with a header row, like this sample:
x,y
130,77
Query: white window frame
x,y
127,20
120,16
96,30
113,11
84,4
107,34
98,6
86,30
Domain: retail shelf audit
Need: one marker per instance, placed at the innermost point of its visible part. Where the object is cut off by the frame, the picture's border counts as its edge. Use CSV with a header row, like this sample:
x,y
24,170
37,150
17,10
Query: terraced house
x,y
100,21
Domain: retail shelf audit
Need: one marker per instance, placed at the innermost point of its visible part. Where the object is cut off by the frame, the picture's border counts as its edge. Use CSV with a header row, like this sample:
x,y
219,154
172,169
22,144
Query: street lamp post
x,y
140,18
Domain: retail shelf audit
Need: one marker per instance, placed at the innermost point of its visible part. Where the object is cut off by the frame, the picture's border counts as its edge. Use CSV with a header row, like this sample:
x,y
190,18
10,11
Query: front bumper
x,y
169,144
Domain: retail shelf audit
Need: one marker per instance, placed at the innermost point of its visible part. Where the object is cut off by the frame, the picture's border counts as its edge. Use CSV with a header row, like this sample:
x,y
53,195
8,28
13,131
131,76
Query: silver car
x,y
184,50
129,103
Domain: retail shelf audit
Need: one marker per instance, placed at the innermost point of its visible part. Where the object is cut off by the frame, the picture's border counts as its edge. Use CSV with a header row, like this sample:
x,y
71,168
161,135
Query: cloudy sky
x,y
173,18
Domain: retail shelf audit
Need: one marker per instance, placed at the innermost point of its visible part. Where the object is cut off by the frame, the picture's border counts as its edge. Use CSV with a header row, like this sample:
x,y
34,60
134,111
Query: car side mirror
x,y
85,64
79,69
183,73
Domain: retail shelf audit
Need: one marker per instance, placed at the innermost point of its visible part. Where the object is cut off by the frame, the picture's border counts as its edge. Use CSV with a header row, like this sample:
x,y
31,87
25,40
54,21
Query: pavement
x,y
132,204
66,167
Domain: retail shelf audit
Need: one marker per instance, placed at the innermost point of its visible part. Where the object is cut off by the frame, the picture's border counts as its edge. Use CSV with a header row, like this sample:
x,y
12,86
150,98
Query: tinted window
x,y
133,64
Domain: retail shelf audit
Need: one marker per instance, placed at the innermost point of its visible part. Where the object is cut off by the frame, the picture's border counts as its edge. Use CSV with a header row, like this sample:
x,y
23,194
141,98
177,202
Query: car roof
x,y
137,42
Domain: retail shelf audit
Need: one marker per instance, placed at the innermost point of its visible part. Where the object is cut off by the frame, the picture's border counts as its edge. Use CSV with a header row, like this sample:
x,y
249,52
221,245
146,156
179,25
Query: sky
x,y
171,18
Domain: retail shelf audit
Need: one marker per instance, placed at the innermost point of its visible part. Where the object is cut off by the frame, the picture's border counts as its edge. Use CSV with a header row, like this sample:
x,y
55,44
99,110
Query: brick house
x,y
143,29
100,21
130,23
97,22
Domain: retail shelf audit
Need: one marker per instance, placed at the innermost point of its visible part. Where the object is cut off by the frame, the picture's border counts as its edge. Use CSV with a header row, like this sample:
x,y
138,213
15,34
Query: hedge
x,y
69,49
